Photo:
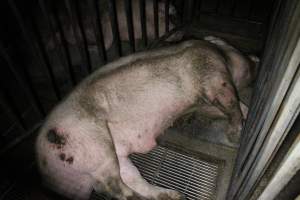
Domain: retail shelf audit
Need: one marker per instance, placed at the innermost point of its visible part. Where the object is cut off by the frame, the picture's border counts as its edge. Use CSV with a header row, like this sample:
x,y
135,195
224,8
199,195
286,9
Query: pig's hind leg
x,y
107,177
132,177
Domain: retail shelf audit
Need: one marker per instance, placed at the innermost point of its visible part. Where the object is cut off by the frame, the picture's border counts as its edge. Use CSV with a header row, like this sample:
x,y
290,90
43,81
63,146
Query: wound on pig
x,y
55,138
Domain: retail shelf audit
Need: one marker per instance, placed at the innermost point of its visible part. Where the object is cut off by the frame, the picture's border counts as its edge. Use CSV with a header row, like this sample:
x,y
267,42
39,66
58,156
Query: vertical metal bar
x,y
156,25
46,60
29,39
196,8
167,20
10,109
128,9
251,8
83,35
182,16
143,22
234,5
64,44
218,6
26,85
188,7
94,7
72,16
114,25
59,54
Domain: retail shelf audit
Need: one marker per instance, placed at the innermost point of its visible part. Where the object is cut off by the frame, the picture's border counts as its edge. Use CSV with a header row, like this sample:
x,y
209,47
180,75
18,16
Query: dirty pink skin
x,y
242,68
121,109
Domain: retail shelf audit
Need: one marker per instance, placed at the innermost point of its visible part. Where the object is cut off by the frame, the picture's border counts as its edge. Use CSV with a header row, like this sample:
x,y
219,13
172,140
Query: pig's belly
x,y
146,115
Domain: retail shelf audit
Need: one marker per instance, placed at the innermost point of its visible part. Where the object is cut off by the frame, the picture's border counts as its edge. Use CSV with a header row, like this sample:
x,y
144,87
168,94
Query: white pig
x,y
121,109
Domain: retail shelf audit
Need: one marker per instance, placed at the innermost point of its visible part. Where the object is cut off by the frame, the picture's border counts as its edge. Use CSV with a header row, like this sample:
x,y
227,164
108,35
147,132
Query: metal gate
x,y
262,135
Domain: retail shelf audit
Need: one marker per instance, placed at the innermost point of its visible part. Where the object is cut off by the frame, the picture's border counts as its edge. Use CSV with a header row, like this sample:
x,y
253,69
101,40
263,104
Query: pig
x,y
243,69
122,23
121,109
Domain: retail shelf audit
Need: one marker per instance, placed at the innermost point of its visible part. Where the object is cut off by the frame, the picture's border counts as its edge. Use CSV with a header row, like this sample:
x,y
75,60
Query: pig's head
x,y
220,92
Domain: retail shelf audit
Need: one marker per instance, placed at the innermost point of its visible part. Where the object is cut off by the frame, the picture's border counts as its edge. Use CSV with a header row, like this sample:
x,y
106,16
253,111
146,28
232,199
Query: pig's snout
x,y
234,130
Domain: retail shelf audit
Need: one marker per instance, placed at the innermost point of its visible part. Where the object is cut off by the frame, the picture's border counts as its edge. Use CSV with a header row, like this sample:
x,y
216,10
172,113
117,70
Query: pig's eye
x,y
224,84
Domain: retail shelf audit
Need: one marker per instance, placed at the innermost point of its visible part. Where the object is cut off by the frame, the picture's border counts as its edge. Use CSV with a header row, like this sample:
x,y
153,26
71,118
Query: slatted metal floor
x,y
190,175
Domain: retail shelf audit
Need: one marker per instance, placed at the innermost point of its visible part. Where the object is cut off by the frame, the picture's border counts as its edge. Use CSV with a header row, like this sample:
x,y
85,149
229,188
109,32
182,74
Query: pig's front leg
x,y
133,179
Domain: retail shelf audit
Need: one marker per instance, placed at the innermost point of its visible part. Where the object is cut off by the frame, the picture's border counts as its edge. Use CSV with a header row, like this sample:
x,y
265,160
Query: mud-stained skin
x,y
54,138
135,197
113,186
70,160
62,156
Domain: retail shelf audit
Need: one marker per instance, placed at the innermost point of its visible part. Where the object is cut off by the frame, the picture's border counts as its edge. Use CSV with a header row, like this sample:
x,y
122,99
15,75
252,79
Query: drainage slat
x,y
207,182
202,174
168,173
189,159
190,175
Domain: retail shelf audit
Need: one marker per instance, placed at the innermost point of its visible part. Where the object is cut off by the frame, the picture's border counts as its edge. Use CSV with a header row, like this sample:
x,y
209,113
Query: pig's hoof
x,y
171,195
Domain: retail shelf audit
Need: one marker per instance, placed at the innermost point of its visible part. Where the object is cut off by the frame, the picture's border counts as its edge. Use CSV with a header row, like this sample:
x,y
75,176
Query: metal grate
x,y
194,177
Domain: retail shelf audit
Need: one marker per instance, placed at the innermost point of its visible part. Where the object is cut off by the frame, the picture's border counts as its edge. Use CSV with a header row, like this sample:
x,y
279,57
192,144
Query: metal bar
x,y
251,8
72,16
26,85
64,44
94,7
28,37
45,58
167,16
143,22
128,9
155,14
218,6
182,16
233,8
59,53
275,68
20,138
197,8
188,7
11,110
114,25
83,35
